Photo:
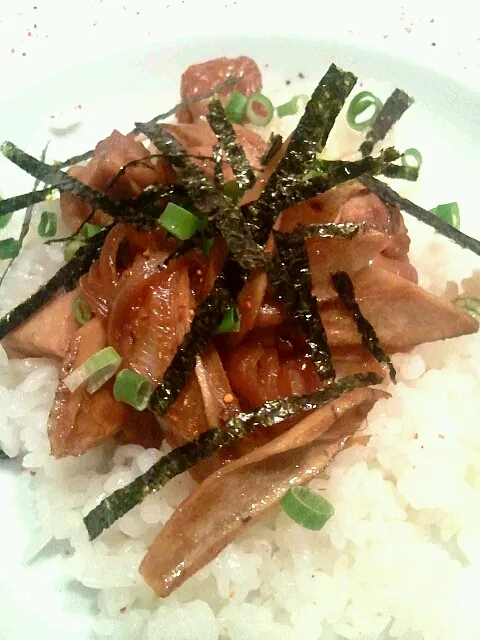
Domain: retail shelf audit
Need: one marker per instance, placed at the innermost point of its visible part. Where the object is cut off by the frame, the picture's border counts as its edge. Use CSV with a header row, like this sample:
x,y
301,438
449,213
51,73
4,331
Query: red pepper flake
x,y
123,610
24,54
29,34
228,398
441,436
12,51
415,436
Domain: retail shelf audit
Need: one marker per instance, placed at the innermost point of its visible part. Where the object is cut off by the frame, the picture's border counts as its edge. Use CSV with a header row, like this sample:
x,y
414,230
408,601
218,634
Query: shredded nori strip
x,y
208,316
227,139
163,116
401,173
186,456
217,158
65,278
276,142
391,197
26,222
329,230
344,287
393,109
289,273
309,136
208,199
9,205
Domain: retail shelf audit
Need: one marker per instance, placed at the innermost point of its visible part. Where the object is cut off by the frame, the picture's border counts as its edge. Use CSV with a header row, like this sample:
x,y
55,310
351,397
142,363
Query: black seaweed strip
x,y
208,200
207,317
9,205
393,109
400,172
345,230
26,222
66,278
217,158
344,287
289,273
227,139
388,195
163,116
309,136
275,142
186,456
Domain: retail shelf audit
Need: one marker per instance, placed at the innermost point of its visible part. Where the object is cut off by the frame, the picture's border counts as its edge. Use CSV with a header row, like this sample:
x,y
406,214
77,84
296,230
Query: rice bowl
x,y
404,504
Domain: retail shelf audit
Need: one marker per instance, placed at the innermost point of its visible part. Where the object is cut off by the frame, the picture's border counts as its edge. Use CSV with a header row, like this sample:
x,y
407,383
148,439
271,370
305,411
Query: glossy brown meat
x,y
200,78
47,332
243,491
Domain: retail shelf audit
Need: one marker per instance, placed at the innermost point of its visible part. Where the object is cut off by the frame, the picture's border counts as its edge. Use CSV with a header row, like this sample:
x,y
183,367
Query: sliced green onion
x,y
412,158
9,248
293,106
235,107
95,371
363,110
449,213
230,322
179,222
90,230
232,190
81,311
469,305
47,227
306,507
5,219
259,109
133,389
71,248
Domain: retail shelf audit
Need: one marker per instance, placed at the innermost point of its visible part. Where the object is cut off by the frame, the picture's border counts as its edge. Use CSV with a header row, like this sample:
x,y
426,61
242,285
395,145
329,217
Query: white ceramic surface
x,y
122,61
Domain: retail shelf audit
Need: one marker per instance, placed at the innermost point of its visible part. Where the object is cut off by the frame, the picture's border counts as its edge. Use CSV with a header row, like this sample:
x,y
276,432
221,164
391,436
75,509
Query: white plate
x,y
139,77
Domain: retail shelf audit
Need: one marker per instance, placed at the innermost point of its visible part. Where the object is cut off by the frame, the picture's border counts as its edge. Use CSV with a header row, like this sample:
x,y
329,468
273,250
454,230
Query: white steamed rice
x,y
400,558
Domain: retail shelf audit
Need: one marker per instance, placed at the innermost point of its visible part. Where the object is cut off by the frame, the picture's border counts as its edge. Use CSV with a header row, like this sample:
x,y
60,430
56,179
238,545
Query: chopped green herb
x,y
66,278
306,507
363,110
289,273
133,389
9,248
293,106
178,221
259,110
388,195
344,287
235,107
89,230
412,158
81,311
230,322
95,371
185,457
393,109
227,140
449,212
232,190
469,305
47,226
5,219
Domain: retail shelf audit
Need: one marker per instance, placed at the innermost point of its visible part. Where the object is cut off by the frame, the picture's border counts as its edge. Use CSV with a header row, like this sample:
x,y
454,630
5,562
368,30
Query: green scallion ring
x,y
89,230
71,248
178,221
306,507
259,110
412,158
230,322
469,305
95,371
363,110
47,227
5,219
235,107
9,248
448,212
292,107
133,389
81,311
232,190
